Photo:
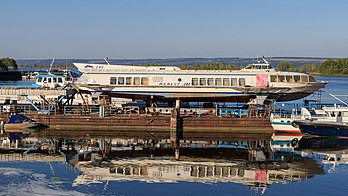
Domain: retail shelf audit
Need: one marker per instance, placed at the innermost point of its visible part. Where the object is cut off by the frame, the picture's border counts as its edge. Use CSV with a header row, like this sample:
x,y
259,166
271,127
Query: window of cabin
x,y
281,78
210,81
144,81
226,82
39,79
113,80
312,79
60,80
218,82
274,78
241,81
297,79
49,80
128,80
44,79
234,82
120,81
194,81
202,81
54,80
304,78
136,81
289,78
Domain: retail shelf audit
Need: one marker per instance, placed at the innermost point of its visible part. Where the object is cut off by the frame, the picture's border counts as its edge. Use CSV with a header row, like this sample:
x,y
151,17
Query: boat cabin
x,y
51,80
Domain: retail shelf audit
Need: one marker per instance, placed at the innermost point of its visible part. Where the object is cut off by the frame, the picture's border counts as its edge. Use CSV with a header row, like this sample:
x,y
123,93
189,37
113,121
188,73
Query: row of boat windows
x,y
129,80
291,78
211,81
195,81
218,82
49,80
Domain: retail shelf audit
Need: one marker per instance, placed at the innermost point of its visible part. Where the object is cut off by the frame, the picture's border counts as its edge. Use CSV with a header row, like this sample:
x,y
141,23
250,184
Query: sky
x,y
135,29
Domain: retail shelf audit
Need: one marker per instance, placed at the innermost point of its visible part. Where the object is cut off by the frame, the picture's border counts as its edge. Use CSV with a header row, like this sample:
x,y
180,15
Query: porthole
x,y
179,79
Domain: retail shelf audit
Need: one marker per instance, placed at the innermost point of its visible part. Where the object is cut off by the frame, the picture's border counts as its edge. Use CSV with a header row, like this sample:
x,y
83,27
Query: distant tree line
x,y
48,66
327,67
338,66
7,64
212,66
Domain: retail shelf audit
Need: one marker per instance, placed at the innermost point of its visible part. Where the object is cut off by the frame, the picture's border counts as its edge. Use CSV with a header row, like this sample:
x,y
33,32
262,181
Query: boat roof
x,y
49,75
337,108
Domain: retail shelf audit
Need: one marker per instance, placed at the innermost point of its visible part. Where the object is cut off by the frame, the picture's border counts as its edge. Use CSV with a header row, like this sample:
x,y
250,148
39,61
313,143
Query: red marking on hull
x,y
288,131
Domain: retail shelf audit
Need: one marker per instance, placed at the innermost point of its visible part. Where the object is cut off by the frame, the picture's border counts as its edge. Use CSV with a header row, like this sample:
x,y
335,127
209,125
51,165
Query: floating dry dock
x,y
100,118
207,123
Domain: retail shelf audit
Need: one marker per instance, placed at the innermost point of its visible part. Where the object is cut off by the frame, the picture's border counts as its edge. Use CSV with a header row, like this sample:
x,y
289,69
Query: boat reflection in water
x,y
255,160
333,151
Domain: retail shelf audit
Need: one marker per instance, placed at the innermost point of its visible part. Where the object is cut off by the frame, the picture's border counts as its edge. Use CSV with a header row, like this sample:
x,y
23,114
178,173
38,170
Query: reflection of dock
x,y
33,157
246,158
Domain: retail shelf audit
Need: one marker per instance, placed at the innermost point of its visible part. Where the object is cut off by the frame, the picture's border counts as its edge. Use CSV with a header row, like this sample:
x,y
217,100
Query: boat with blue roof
x,y
20,121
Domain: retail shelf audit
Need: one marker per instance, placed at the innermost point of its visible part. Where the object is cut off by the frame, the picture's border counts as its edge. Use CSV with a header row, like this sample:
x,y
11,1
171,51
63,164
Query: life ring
x,y
294,124
294,142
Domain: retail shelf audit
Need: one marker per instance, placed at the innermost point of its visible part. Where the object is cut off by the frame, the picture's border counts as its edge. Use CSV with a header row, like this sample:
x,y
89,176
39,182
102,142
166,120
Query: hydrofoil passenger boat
x,y
170,82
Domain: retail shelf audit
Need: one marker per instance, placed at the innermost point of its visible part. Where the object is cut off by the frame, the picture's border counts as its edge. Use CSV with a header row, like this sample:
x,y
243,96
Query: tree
x,y
286,66
327,67
2,66
8,64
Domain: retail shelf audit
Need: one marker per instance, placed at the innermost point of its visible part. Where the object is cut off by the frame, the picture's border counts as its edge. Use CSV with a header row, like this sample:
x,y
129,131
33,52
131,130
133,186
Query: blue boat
x,y
322,128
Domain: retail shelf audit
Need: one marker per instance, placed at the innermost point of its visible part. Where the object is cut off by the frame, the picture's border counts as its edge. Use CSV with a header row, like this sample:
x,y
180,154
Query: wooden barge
x,y
206,123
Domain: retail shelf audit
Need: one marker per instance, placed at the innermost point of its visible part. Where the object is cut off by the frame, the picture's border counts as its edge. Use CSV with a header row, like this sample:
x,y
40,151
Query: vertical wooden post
x,y
176,128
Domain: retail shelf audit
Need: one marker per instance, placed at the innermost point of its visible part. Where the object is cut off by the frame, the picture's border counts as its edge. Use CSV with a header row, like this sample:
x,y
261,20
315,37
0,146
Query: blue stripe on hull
x,y
324,130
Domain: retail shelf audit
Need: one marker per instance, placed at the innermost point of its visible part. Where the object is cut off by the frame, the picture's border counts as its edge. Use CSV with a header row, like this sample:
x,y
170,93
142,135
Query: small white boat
x,y
51,80
54,80
285,123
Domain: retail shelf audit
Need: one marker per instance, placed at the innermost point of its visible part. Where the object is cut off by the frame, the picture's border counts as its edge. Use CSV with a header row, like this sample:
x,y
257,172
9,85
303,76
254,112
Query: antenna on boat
x,y
106,60
49,71
264,59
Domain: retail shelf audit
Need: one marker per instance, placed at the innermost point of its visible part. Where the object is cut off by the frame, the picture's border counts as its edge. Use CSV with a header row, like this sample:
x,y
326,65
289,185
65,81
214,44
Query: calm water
x,y
17,84
142,163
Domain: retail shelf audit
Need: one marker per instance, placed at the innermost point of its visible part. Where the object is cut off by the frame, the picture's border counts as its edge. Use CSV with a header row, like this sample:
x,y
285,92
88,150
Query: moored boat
x,y
19,122
322,128
54,79
284,123
334,122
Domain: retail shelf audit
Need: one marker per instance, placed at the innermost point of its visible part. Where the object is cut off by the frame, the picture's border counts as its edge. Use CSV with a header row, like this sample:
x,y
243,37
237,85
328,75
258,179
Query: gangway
x,y
44,111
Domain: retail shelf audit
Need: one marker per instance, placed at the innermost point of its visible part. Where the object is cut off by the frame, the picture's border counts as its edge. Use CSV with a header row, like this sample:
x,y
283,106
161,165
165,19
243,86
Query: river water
x,y
140,163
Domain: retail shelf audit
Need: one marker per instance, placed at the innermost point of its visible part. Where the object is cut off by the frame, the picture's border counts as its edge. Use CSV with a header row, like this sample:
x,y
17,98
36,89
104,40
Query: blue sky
x,y
178,28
